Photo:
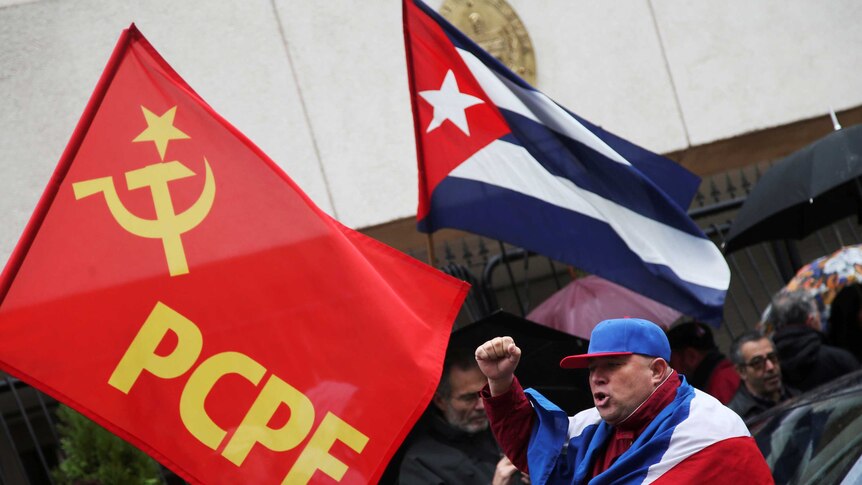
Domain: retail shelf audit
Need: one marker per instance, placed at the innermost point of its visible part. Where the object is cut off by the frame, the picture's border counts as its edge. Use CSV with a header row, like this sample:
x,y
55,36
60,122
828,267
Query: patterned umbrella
x,y
825,276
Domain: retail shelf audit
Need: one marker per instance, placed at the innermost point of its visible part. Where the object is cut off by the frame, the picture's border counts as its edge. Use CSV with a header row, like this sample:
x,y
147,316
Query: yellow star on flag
x,y
160,130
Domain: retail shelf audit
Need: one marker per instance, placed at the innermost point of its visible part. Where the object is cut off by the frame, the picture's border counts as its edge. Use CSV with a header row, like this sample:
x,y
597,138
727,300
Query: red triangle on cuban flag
x,y
455,116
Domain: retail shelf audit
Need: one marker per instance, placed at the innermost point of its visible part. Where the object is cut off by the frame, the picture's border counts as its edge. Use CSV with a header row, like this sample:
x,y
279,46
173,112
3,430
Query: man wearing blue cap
x,y
648,424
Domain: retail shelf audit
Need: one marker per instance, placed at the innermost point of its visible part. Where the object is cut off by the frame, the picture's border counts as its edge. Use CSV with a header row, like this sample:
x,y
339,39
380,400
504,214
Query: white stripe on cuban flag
x,y
502,93
708,423
511,167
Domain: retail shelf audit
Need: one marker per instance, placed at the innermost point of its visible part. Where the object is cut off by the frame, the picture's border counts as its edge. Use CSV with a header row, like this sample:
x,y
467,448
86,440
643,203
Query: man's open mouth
x,y
601,398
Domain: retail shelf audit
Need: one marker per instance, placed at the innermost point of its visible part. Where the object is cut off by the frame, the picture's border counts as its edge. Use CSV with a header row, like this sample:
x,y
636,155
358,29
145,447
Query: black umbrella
x,y
807,190
542,348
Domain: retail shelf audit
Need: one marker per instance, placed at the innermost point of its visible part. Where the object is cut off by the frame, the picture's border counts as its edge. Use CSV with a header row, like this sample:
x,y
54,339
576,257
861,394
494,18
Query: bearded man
x,y
453,443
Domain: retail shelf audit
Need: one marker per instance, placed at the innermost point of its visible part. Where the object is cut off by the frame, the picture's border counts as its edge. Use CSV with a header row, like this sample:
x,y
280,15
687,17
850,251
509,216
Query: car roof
x,y
847,384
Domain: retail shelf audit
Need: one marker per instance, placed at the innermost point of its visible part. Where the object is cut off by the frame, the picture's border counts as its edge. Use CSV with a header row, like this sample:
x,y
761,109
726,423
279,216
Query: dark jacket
x,y
443,454
747,405
806,362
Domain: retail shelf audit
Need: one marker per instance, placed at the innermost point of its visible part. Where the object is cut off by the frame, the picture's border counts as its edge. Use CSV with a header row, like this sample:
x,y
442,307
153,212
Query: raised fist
x,y
498,358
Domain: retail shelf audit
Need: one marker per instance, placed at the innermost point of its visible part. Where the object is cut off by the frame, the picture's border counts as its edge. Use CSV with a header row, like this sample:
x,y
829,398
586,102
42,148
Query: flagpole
x,y
417,131
835,124
432,259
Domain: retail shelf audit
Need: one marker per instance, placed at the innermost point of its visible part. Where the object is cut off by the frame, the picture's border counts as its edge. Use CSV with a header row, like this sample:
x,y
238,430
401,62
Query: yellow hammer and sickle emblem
x,y
167,226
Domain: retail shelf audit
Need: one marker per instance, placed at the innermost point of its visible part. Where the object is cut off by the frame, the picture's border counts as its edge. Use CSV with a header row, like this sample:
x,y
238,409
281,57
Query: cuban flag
x,y
499,158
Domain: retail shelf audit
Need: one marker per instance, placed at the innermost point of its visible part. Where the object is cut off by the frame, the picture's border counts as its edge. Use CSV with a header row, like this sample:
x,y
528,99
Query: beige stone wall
x,y
321,86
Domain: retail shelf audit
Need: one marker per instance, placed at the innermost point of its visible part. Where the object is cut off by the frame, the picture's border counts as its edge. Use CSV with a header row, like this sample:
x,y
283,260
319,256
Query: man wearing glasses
x,y
757,364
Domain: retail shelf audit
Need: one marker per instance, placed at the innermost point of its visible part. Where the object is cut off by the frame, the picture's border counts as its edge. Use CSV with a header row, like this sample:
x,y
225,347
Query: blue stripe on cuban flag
x,y
561,187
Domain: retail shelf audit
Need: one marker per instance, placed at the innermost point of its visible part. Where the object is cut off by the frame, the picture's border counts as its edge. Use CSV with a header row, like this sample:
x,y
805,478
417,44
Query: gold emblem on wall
x,y
495,26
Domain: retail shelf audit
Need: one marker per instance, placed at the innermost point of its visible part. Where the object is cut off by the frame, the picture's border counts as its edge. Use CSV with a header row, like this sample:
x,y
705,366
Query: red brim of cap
x,y
582,361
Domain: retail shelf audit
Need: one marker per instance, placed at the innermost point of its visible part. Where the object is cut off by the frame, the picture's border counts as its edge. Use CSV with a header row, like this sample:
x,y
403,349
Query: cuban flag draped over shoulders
x,y
695,439
501,159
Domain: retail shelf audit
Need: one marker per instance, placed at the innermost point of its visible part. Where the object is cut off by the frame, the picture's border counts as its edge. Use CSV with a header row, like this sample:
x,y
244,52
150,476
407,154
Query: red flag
x,y
178,288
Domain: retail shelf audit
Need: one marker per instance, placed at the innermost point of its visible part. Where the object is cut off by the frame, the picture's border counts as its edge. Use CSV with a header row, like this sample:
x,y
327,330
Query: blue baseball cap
x,y
622,336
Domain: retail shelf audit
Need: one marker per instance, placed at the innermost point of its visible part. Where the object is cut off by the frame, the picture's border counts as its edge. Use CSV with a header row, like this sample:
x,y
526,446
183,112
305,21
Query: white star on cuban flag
x,y
449,104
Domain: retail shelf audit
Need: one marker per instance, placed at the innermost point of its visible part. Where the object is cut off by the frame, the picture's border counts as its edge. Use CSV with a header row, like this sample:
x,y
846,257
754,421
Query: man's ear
x,y
658,368
813,321
439,401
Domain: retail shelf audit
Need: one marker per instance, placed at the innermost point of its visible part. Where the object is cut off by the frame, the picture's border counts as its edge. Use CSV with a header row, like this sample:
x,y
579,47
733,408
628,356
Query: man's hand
x,y
498,358
507,474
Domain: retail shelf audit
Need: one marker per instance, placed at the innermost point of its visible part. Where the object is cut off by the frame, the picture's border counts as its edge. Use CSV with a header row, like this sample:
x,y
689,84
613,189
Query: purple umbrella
x,y
580,305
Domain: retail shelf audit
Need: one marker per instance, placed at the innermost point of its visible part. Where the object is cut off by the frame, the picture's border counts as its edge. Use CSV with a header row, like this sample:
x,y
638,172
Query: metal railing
x,y
28,434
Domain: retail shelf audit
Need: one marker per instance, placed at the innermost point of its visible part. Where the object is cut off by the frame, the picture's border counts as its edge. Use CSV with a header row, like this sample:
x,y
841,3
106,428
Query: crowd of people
x,y
648,386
